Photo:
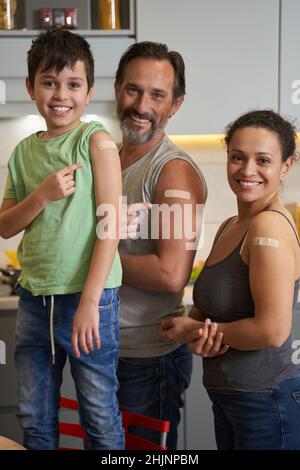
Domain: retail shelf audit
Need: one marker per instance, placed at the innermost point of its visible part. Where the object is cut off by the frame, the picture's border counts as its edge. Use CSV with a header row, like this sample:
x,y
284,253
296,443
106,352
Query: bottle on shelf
x,y
7,12
109,14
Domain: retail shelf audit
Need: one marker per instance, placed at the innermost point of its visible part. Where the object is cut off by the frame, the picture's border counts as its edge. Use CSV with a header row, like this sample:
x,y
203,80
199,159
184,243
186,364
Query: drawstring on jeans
x,y
51,325
51,328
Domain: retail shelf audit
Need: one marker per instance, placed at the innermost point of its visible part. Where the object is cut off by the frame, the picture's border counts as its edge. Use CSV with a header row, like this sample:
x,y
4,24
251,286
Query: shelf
x,y
83,32
89,20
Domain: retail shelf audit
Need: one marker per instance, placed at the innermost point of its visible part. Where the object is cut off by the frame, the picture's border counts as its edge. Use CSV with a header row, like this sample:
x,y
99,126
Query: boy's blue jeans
x,y
265,420
94,374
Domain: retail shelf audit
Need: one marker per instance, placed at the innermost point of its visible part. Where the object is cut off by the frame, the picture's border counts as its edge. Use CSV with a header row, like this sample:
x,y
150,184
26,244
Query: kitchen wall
x,y
207,151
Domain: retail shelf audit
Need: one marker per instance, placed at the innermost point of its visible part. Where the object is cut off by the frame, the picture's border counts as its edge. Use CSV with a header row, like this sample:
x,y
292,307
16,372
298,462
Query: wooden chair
x,y
8,444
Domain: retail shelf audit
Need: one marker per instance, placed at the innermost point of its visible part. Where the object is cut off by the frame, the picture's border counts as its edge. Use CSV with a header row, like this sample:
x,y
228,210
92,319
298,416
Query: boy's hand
x,y
85,328
59,184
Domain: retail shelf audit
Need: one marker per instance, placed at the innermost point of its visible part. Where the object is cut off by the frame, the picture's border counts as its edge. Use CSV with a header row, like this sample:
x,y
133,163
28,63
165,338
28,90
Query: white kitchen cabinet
x,y
289,103
230,49
13,53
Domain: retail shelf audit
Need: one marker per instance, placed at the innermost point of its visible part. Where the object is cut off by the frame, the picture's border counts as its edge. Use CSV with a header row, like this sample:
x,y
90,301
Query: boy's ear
x,y
90,94
29,88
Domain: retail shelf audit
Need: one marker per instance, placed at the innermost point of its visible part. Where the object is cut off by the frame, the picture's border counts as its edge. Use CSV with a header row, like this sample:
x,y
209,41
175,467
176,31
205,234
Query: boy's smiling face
x,y
61,97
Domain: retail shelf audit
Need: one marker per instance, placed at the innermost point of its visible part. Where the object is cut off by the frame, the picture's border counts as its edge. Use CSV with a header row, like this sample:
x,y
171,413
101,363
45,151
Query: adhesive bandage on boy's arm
x,y
106,144
177,193
266,241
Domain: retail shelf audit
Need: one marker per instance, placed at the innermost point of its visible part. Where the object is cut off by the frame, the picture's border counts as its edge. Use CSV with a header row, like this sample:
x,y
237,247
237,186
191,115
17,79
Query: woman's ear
x,y
286,166
29,88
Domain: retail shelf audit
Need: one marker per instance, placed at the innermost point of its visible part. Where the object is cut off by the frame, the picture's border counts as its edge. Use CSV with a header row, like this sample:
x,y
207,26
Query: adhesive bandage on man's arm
x,y
178,193
266,241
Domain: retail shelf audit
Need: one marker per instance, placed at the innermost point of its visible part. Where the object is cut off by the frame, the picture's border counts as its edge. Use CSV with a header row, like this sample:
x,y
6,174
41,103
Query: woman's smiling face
x,y
254,166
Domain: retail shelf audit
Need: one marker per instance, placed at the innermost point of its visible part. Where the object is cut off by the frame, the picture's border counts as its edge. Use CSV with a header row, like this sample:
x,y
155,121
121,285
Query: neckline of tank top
x,y
238,246
142,157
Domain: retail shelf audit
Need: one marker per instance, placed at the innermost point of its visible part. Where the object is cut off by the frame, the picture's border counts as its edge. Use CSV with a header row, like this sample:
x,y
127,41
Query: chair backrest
x,y
132,441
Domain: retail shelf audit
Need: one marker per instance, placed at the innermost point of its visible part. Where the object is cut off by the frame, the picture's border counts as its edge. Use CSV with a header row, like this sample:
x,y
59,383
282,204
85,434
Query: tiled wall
x,y
209,154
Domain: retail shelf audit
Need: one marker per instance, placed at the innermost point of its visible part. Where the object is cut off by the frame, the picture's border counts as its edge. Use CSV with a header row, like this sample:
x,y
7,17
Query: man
x,y
153,374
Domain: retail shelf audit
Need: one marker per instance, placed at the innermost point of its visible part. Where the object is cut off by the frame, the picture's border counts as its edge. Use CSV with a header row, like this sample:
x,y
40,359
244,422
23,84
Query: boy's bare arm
x,y
108,190
15,217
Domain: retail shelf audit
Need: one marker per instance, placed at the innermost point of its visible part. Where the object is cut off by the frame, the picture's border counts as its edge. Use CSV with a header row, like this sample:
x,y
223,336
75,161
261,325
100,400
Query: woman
x,y
248,288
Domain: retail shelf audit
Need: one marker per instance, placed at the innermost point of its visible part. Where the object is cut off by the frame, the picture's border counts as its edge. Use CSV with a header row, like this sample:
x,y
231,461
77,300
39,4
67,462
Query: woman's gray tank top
x,y
222,292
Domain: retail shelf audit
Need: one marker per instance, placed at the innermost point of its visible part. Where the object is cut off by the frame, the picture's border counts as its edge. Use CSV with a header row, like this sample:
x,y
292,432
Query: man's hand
x,y
177,329
59,185
131,219
85,328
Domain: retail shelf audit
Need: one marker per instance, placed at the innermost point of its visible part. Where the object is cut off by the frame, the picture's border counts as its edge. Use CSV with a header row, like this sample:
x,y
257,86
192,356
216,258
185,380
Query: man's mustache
x,y
133,112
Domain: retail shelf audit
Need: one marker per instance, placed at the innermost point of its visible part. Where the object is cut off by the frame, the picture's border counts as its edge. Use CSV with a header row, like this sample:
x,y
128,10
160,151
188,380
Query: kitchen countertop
x,y
9,302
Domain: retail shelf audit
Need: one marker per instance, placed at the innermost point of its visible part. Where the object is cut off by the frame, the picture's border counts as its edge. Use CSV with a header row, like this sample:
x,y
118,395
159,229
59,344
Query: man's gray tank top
x,y
222,292
141,312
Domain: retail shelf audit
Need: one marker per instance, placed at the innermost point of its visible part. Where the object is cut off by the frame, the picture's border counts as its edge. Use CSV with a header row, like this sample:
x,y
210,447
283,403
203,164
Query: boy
x,y
56,180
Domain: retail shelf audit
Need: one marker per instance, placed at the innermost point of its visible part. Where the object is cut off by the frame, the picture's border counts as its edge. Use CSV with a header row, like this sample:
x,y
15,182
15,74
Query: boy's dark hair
x,y
58,49
268,119
155,51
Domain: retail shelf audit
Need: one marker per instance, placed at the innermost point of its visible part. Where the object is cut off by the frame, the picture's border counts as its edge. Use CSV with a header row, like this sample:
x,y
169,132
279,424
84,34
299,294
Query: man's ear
x,y
29,88
176,105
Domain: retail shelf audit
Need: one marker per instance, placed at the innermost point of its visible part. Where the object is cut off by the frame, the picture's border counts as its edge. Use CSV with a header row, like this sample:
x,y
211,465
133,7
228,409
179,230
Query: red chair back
x,y
132,441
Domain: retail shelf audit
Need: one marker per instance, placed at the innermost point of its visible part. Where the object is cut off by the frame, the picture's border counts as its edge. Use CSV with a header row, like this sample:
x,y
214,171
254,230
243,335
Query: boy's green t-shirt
x,y
56,249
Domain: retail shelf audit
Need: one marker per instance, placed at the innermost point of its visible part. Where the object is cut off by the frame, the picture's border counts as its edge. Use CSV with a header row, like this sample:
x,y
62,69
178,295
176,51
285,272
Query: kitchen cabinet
x,y
9,426
107,47
289,103
230,51
106,51
93,17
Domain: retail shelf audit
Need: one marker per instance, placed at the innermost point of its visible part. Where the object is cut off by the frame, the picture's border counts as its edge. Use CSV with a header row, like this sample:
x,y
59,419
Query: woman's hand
x,y
206,341
203,338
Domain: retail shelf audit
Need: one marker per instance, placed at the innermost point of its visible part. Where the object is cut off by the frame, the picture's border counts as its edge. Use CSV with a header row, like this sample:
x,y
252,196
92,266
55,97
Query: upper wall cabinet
x,y
290,60
92,17
107,46
230,49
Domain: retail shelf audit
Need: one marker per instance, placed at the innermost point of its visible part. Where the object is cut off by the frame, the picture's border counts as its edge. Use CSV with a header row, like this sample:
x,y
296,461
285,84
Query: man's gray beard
x,y
134,137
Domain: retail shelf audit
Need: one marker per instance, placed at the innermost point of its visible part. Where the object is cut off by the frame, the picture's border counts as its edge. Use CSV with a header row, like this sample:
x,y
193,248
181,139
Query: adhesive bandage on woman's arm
x,y
266,241
178,193
106,144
